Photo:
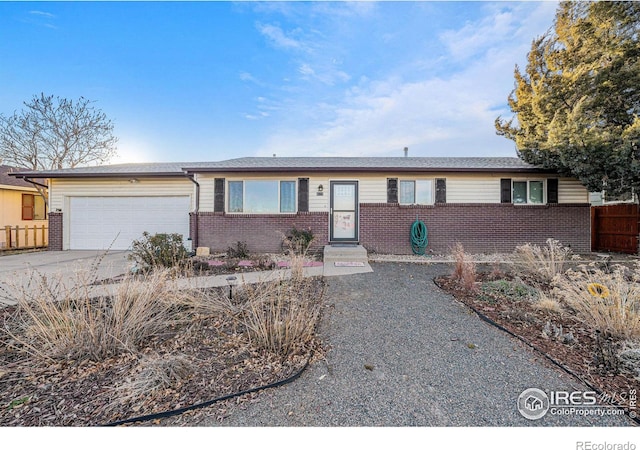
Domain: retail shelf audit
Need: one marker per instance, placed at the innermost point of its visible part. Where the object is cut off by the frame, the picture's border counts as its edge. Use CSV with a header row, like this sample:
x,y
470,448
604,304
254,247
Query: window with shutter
x,y
303,194
552,190
505,190
28,203
441,190
218,195
392,190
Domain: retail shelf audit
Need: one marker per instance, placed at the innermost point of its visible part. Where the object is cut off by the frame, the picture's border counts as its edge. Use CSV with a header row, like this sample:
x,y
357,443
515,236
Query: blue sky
x,y
215,80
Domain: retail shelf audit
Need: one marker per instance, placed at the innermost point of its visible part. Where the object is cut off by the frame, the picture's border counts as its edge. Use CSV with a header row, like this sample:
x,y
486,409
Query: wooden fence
x,y
615,228
18,238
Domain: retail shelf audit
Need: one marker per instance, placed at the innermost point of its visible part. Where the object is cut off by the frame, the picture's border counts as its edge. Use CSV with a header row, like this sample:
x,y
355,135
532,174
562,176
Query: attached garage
x,y
97,223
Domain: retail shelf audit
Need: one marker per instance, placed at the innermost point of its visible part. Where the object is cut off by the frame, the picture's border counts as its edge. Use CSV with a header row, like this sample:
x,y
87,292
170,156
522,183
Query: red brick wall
x,y
481,228
55,231
386,228
262,233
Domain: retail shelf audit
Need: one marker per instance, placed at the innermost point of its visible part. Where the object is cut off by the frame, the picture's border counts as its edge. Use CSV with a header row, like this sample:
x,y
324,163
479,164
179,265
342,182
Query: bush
x,y
608,302
511,289
541,264
298,241
239,251
159,251
464,272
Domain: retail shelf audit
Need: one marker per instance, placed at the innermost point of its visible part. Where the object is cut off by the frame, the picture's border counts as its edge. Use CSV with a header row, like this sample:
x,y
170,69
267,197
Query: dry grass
x,y
55,320
541,263
608,302
547,302
158,372
281,316
464,272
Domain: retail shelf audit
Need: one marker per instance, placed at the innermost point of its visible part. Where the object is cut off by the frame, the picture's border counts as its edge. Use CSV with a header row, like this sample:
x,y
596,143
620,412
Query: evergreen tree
x,y
577,105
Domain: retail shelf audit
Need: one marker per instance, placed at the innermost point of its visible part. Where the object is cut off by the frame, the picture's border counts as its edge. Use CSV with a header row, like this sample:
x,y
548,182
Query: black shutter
x,y
505,190
392,190
218,195
303,195
552,190
441,190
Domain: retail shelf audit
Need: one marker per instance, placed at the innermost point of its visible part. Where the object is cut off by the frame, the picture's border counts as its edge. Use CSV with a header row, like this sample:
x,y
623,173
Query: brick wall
x,y
481,228
55,231
262,233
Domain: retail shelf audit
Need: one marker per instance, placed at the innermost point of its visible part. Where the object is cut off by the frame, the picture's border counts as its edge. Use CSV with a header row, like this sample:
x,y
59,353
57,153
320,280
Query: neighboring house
x,y
20,204
487,204
601,198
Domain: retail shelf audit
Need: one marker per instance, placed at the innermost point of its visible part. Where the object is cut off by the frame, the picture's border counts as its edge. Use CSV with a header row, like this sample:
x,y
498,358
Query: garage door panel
x,y
98,223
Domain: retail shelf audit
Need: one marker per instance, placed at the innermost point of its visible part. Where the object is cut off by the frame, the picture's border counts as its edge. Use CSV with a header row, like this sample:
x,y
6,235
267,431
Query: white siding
x,y
572,191
61,189
473,189
461,188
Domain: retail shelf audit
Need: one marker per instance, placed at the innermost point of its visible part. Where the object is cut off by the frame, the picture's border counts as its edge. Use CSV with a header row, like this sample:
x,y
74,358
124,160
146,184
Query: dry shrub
x,y
541,264
608,302
281,316
158,372
55,320
547,302
464,271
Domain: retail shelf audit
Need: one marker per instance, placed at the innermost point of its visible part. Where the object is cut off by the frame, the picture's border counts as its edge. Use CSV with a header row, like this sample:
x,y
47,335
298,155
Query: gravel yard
x,y
403,353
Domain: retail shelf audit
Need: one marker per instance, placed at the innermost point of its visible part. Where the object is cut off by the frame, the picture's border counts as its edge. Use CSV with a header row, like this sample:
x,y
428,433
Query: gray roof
x,y
364,164
7,180
300,164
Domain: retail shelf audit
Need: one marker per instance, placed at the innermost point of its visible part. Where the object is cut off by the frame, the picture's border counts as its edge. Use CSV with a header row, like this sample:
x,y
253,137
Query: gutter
x,y
194,238
29,180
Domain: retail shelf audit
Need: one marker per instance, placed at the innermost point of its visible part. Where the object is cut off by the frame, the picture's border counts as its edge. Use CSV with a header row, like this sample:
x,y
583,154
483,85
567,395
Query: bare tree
x,y
56,133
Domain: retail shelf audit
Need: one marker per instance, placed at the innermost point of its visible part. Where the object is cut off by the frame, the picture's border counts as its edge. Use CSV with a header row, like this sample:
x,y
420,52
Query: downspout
x,y
194,238
29,180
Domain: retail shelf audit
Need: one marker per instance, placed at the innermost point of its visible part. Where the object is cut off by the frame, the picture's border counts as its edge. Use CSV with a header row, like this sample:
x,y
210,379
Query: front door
x,y
344,211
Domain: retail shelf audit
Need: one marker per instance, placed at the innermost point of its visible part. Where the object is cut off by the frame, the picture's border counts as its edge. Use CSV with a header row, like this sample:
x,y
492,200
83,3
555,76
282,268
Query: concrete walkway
x,y
17,271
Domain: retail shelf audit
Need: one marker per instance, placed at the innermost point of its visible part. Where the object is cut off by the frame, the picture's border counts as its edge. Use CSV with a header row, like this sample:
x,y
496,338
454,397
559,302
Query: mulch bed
x,y
213,350
582,356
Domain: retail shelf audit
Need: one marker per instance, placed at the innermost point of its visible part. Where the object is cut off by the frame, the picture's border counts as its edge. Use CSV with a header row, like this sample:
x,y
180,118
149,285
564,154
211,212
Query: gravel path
x,y
403,353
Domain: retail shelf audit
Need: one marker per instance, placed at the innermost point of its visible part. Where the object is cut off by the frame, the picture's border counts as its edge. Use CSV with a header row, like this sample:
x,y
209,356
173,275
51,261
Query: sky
x,y
207,81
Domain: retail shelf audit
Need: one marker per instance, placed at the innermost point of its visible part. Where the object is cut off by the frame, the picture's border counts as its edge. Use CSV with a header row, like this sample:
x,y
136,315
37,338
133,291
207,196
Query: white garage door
x,y
97,223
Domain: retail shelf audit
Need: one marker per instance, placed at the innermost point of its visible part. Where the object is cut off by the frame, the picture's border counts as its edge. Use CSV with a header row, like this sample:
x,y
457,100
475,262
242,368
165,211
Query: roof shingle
x,y
290,164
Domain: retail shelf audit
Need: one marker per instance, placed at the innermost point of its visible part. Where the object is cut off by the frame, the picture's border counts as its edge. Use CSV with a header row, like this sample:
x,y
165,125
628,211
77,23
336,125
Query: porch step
x,y
345,254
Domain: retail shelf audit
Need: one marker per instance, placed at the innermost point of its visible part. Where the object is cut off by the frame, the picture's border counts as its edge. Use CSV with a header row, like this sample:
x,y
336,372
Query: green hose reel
x,y
419,239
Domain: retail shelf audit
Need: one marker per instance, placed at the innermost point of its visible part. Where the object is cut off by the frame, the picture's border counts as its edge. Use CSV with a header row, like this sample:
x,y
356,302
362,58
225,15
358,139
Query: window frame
x,y
528,182
279,183
431,183
33,208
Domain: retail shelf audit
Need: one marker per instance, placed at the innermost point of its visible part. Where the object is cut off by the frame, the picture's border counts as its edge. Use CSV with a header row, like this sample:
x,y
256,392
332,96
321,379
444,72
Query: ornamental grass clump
x,y
281,315
609,302
464,271
541,264
57,318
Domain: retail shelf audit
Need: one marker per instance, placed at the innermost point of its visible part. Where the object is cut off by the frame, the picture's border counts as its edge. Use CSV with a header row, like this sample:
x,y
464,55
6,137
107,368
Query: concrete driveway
x,y
17,268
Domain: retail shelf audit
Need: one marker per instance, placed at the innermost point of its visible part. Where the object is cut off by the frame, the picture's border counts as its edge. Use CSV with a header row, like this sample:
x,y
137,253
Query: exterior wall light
x,y
320,190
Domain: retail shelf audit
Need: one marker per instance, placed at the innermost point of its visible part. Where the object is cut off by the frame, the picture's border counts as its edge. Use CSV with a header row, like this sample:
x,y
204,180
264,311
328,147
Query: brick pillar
x,y
55,231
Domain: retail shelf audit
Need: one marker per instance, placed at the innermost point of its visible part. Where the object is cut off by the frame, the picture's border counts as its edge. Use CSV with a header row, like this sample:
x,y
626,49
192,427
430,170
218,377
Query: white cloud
x,y
279,38
42,13
448,115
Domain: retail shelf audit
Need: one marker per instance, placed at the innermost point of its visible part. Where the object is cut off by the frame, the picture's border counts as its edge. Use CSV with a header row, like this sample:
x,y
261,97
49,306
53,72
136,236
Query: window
x,y
262,197
530,191
415,192
33,207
